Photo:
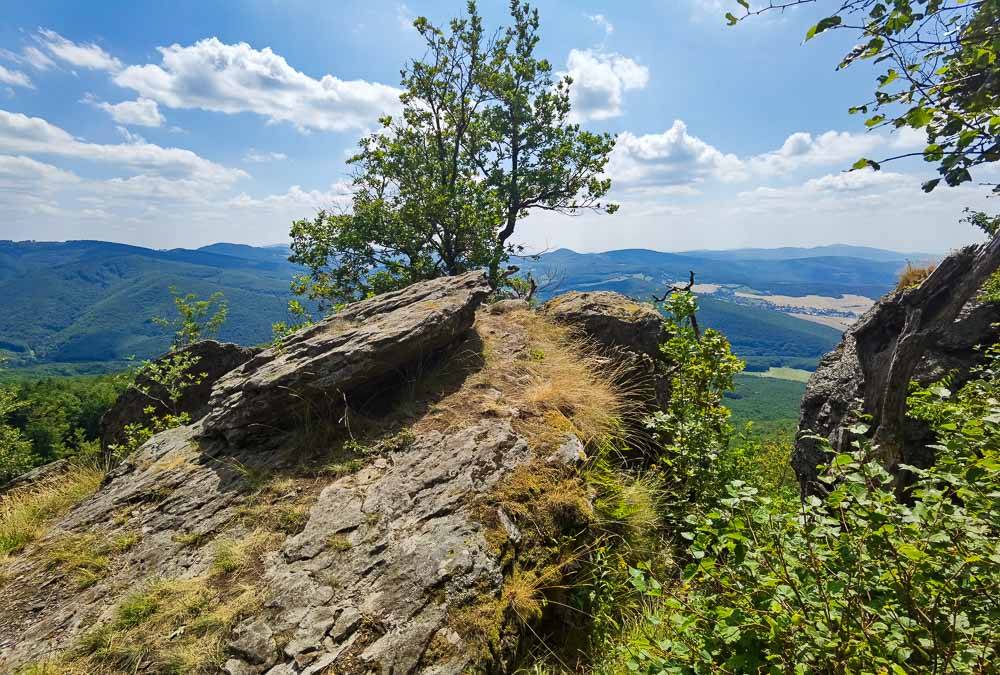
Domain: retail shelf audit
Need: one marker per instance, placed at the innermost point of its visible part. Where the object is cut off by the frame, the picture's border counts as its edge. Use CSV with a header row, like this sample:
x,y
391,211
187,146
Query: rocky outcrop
x,y
611,319
356,348
847,380
628,331
211,360
372,538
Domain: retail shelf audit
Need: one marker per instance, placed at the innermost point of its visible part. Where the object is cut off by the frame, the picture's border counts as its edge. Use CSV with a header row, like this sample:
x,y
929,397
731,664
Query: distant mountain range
x,y
87,305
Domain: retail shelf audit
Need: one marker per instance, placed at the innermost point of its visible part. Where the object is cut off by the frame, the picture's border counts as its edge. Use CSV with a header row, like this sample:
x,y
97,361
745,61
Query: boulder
x,y
359,347
840,388
214,359
629,332
611,319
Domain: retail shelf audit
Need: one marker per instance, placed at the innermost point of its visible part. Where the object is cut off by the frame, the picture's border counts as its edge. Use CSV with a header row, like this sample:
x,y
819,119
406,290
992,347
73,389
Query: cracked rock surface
x,y
367,576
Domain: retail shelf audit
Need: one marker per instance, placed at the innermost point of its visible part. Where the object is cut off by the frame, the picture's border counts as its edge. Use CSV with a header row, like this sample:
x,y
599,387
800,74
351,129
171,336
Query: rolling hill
x,y
88,304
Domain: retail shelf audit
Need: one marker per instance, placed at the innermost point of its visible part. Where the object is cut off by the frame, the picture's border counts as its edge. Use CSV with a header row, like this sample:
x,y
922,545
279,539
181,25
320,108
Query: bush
x,y
860,582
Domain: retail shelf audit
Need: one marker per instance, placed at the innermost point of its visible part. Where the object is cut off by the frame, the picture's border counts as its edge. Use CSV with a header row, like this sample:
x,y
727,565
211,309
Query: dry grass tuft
x,y
911,277
232,555
569,379
25,512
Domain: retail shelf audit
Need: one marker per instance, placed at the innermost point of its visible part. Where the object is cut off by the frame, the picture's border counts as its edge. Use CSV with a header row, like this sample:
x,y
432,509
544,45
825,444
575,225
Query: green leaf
x,y
826,24
930,185
864,163
912,552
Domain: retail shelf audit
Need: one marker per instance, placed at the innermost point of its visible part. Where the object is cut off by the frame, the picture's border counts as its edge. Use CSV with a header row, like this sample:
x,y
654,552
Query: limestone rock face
x,y
366,556
214,359
366,343
838,388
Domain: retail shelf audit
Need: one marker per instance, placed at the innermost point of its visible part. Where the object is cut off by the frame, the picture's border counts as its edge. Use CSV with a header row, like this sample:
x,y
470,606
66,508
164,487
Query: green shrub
x,y
860,582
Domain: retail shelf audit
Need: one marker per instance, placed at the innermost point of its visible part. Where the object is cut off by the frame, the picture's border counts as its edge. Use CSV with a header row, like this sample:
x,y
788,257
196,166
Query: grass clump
x,y
25,512
913,276
232,555
171,626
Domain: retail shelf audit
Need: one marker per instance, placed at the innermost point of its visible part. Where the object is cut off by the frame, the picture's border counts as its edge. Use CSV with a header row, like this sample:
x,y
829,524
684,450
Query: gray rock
x,y
36,475
629,332
386,553
215,359
611,319
838,389
322,365
254,642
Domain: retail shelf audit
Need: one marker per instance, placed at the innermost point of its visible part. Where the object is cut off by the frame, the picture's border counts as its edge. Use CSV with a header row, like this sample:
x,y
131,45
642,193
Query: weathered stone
x,y
610,319
36,475
214,359
839,389
629,332
385,553
254,642
323,364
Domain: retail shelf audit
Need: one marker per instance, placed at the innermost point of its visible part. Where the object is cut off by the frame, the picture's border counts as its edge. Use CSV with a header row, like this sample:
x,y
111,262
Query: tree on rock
x,y
484,138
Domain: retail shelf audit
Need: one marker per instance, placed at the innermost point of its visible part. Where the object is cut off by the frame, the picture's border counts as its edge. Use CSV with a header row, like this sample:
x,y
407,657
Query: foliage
x,y
942,74
692,432
16,454
859,583
484,138
196,319
298,318
60,416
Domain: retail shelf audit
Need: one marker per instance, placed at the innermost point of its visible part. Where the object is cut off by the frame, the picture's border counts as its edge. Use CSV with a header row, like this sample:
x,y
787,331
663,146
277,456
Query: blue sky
x,y
185,123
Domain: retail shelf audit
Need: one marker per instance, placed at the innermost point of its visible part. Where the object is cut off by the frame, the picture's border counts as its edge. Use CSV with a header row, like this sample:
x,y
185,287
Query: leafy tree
x,y
484,138
16,455
196,319
942,74
693,431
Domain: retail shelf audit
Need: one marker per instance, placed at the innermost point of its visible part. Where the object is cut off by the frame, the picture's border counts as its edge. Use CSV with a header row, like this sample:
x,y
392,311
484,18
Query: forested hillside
x,y
72,306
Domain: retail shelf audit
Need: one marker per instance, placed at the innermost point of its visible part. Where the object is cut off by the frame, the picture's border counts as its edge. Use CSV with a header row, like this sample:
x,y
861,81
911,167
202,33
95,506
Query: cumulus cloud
x,y
255,156
670,159
20,173
34,135
87,55
142,112
15,78
212,75
803,149
600,80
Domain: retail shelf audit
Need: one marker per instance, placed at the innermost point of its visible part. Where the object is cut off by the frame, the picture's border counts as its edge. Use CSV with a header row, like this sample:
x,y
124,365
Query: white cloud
x,y
15,78
672,158
37,59
237,78
255,156
89,56
21,173
602,22
142,112
599,82
296,199
803,149
33,135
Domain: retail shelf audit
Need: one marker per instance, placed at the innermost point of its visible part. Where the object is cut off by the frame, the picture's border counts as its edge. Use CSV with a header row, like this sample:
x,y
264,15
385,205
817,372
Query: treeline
x,y
55,417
